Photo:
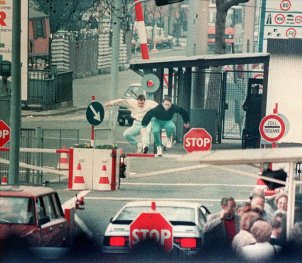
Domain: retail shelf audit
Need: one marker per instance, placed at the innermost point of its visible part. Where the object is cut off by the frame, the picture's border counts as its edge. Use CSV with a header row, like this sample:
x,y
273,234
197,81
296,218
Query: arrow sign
x,y
95,113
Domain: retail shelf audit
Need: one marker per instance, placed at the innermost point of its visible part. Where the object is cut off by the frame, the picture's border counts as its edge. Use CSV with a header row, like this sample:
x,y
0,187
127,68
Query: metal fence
x,y
234,95
40,138
47,88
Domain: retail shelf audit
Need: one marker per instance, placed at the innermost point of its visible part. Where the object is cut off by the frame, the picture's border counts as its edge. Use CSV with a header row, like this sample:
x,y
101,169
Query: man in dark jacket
x,y
163,115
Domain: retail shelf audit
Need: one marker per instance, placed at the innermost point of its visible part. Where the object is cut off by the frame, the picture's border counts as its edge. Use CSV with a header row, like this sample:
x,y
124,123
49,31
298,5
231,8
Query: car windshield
x,y
134,91
176,215
16,210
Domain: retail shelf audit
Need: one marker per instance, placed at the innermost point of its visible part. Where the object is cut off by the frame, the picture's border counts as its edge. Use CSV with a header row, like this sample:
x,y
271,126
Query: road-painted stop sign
x,y
4,133
151,226
197,139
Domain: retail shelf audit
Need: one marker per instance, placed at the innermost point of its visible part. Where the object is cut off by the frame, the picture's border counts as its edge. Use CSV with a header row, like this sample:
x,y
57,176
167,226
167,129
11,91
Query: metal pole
x,y
116,26
92,135
15,113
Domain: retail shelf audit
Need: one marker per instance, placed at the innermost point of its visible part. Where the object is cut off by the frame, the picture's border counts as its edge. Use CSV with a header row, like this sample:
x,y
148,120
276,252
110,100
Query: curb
x,y
52,112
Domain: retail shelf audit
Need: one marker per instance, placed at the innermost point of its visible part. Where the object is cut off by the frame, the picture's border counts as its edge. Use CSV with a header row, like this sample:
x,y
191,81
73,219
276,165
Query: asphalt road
x,y
157,178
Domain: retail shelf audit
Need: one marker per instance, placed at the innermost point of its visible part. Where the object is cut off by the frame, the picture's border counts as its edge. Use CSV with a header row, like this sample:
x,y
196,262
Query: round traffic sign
x,y
285,5
197,139
4,133
298,19
95,113
151,226
150,83
272,128
291,32
279,19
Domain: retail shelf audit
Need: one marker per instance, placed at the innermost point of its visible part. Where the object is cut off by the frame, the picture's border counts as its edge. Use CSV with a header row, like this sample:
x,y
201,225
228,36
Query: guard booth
x,y
199,85
290,155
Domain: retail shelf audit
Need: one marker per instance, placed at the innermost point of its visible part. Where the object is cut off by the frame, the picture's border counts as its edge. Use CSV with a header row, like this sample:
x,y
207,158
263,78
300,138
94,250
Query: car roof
x,y
163,203
24,191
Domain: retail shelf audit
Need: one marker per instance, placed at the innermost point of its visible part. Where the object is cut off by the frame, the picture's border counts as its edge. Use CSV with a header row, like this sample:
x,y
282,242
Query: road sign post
x,y
151,226
4,133
197,139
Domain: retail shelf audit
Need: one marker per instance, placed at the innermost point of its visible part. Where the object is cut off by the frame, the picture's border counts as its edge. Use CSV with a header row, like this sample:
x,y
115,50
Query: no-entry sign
x,y
272,128
151,226
4,133
197,139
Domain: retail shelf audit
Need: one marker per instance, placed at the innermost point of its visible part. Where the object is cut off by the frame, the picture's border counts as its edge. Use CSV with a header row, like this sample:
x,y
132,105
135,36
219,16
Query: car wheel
x,y
121,122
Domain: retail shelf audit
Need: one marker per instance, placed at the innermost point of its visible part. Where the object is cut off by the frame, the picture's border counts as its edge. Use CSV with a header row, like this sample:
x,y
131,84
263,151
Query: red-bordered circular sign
x,y
272,128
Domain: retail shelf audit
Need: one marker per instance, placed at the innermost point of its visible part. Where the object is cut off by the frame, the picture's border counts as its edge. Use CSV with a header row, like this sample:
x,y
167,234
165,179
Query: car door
x,y
54,227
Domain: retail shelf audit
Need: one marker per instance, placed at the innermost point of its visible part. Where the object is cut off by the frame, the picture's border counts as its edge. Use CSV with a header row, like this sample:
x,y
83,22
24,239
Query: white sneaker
x,y
169,143
159,151
139,148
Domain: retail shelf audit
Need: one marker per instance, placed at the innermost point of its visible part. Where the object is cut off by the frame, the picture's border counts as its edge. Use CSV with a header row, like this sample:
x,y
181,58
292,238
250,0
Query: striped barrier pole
x,y
141,29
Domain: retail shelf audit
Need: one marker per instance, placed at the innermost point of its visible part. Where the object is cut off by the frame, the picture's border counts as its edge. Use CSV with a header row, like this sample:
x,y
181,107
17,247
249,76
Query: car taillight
x,y
186,242
117,241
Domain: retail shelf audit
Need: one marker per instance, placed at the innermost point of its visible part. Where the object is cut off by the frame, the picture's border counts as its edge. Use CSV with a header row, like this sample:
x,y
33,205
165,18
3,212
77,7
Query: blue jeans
x,y
158,125
131,133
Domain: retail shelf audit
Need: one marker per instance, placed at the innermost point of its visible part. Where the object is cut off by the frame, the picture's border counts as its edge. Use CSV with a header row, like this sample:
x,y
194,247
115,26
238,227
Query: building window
x,y
39,28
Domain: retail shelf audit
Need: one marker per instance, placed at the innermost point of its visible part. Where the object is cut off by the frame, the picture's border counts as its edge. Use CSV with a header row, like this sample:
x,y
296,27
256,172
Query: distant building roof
x,y
32,14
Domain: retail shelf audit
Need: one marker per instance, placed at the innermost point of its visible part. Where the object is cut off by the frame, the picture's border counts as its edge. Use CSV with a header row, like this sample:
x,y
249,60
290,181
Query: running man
x,y
139,107
162,119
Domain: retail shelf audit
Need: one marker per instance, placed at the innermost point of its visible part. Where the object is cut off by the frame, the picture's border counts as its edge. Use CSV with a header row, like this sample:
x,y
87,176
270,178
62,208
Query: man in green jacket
x,y
162,119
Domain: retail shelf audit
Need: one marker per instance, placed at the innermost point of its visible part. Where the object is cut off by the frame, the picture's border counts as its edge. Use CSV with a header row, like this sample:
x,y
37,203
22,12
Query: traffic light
x,y
166,2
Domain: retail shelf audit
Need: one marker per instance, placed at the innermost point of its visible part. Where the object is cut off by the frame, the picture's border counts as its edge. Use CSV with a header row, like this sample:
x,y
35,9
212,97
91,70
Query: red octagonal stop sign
x,y
4,133
151,226
197,139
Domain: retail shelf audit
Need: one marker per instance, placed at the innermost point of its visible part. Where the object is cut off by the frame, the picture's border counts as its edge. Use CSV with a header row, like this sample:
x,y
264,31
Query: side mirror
x,y
79,203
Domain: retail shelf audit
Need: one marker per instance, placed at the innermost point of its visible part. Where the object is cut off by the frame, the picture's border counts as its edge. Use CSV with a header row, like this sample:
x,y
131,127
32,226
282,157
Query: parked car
x,y
124,114
187,219
33,213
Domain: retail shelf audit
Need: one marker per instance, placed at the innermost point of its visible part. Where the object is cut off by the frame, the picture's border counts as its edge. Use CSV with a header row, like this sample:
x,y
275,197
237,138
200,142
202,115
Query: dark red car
x,y
34,214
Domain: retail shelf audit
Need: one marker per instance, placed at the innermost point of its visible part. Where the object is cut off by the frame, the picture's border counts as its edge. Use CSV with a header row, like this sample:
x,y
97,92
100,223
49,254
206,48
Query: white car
x,y
187,220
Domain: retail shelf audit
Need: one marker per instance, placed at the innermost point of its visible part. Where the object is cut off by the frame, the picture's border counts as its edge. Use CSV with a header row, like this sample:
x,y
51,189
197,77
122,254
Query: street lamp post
x,y
15,114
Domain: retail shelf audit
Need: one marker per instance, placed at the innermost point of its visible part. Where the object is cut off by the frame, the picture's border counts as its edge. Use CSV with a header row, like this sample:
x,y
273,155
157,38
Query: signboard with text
x,y
6,29
197,139
4,133
272,128
283,19
151,226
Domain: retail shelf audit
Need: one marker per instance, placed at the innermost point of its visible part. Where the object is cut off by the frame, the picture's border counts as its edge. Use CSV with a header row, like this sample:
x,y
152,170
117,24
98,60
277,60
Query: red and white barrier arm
x,y
141,29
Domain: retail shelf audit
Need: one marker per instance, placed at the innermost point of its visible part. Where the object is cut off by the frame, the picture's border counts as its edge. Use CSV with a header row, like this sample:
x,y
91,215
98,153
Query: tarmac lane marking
x,y
173,170
158,199
188,184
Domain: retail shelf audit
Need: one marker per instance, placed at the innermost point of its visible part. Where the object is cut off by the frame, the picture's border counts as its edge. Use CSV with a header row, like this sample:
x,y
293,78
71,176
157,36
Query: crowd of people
x,y
253,231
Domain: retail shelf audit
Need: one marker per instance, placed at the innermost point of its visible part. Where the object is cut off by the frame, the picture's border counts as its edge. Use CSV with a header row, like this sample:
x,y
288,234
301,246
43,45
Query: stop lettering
x,y
197,142
197,139
151,226
159,235
4,133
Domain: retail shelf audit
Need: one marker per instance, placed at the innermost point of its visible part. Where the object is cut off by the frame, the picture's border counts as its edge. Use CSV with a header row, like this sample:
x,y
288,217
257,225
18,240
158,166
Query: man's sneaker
x,y
169,143
145,149
159,151
139,148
